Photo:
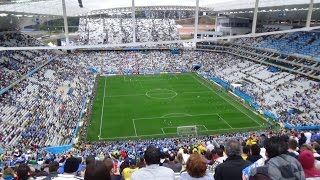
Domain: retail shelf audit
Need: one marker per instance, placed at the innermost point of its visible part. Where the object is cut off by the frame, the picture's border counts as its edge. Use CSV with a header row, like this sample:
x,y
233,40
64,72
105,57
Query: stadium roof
x,y
54,7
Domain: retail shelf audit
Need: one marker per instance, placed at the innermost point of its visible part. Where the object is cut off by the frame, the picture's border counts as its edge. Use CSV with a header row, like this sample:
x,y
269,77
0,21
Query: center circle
x,y
161,94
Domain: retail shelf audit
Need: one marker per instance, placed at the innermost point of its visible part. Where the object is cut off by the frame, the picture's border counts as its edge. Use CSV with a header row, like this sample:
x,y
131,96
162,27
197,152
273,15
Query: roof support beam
x,y
133,12
65,22
255,17
309,13
196,20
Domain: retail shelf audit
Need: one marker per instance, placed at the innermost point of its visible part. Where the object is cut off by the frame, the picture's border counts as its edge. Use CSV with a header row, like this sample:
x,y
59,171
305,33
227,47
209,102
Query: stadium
x,y
144,89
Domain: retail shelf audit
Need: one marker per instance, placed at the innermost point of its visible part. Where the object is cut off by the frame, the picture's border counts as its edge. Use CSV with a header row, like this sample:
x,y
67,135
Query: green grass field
x,y
149,106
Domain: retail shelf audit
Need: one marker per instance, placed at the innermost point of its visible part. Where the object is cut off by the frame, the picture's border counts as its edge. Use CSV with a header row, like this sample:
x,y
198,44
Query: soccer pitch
x,y
138,106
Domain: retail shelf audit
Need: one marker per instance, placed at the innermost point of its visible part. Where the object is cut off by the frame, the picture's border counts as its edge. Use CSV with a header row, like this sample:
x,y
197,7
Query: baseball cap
x,y
132,162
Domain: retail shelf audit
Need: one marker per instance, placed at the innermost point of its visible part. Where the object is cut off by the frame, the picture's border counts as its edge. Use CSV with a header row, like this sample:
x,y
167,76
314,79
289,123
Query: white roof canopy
x,y
54,7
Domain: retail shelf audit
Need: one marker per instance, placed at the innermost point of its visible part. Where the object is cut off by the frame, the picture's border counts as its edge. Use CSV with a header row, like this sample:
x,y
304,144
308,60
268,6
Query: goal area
x,y
187,130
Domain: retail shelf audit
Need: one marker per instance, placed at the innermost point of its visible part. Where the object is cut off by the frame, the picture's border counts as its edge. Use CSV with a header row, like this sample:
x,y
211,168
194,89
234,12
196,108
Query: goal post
x,y
187,130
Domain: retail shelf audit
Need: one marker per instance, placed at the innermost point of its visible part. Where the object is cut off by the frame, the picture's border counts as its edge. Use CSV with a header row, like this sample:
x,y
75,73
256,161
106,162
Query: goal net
x,y
187,130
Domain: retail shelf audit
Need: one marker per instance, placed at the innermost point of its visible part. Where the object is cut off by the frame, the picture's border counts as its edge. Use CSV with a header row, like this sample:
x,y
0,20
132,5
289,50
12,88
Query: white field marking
x,y
128,95
204,127
173,94
176,115
163,131
175,76
198,125
134,126
225,121
141,85
152,135
126,137
226,100
229,129
101,117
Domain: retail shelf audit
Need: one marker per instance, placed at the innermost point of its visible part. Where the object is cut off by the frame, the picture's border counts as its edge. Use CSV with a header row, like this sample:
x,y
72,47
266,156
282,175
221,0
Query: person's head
x,y
306,147
172,157
219,152
97,170
53,166
90,159
109,165
196,166
180,158
213,152
23,171
8,172
316,146
152,155
245,150
233,148
306,159
293,144
275,146
71,165
132,163
185,151
208,155
255,149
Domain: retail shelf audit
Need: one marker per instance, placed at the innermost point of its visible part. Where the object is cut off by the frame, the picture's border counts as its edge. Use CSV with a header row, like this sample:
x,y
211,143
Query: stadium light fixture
x,y
3,14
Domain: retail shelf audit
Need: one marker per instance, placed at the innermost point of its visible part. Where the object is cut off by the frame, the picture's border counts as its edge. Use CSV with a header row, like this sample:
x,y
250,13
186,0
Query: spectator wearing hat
x,y
173,164
232,167
307,160
153,171
196,169
128,171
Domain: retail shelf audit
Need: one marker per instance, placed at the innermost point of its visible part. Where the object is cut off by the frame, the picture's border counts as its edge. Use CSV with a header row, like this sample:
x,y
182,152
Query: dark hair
x,y
196,166
208,155
152,155
233,148
219,152
245,150
53,166
23,172
97,170
185,151
275,146
255,149
108,164
172,157
293,144
90,159
213,152
71,165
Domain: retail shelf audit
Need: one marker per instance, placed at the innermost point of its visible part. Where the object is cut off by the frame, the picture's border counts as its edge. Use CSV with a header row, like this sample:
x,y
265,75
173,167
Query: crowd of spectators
x,y
285,154
292,98
303,43
43,110
51,99
95,31
15,64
